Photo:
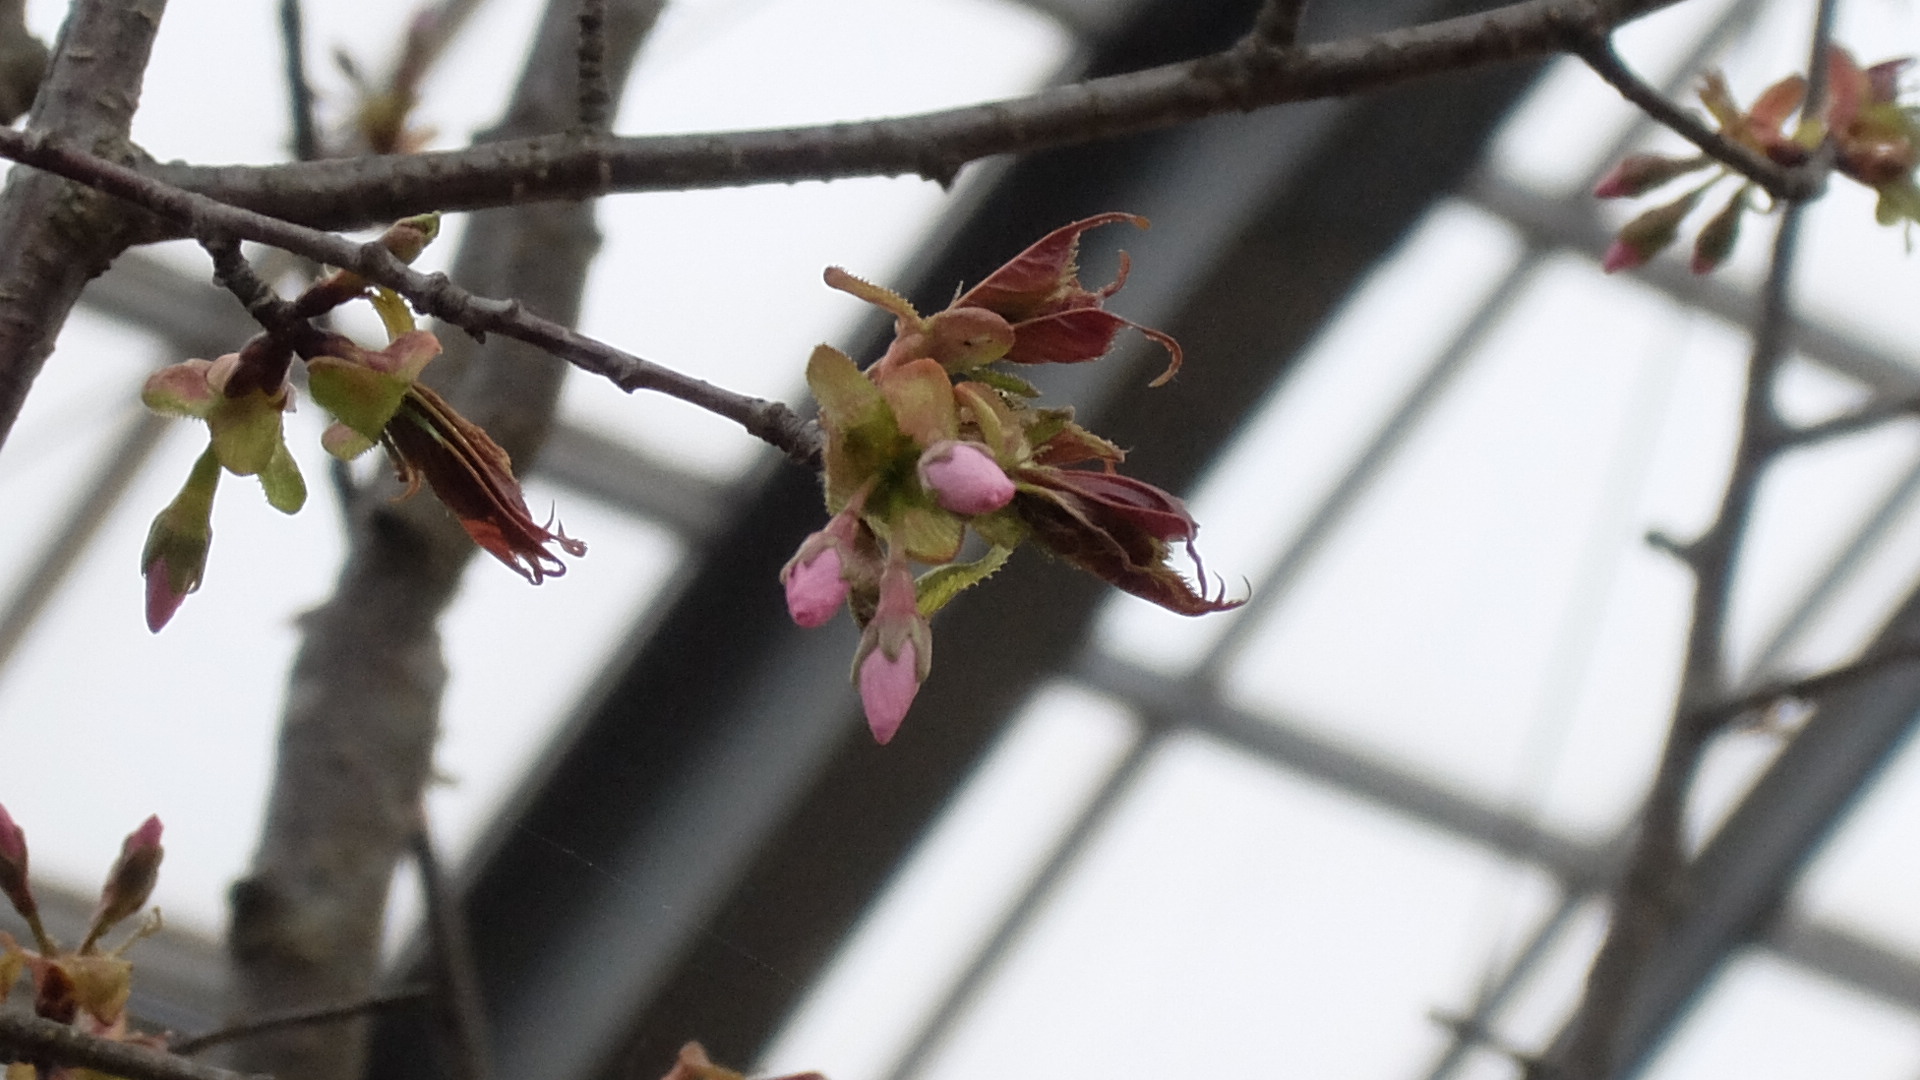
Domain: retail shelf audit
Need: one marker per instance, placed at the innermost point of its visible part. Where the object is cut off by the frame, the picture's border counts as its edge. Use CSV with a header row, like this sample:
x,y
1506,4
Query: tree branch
x,y
56,236
306,140
595,101
352,193
35,1038
431,293
1710,717
247,1029
1870,415
1779,182
1651,894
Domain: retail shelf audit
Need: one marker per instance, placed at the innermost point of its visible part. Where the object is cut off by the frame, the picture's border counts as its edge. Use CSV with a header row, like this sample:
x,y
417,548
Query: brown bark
x,y
58,235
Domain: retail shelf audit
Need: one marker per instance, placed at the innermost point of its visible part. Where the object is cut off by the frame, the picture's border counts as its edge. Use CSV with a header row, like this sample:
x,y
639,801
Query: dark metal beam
x,y
722,893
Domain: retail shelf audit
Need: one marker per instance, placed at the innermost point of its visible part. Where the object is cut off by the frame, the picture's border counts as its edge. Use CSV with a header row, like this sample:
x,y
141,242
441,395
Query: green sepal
x,y
1898,202
1047,423
937,587
963,339
1001,380
285,489
344,443
394,313
180,390
926,533
182,532
357,396
1002,528
848,399
246,432
920,394
999,430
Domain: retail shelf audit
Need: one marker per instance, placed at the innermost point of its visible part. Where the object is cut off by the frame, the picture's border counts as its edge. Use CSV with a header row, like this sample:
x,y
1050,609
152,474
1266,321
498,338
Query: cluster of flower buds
x,y
1876,142
376,399
932,440
86,987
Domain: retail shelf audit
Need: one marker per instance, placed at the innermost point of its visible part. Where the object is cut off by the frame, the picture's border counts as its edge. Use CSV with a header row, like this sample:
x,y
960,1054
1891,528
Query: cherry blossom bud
x,y
175,556
1644,237
964,478
13,866
130,881
887,689
1719,234
1638,174
815,589
827,565
895,654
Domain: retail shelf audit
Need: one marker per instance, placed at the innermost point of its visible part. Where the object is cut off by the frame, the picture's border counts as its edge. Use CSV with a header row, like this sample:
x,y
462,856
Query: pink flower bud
x,y
1638,174
815,589
1621,256
964,478
827,565
895,653
13,866
1647,235
887,689
130,881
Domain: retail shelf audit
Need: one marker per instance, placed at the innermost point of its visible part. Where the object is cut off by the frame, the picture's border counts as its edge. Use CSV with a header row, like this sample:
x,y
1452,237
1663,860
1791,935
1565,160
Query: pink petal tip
x,y
887,689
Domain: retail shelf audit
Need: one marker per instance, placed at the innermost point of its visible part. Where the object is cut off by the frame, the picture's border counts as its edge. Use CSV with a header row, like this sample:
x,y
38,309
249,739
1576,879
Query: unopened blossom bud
x,y
895,654
1638,174
1645,236
13,866
964,478
1718,235
130,881
888,686
825,566
175,555
815,588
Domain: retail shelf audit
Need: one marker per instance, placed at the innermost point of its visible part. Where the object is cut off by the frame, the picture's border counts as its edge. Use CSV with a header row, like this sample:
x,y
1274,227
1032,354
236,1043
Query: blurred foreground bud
x,y
13,868
1638,174
1649,234
1719,234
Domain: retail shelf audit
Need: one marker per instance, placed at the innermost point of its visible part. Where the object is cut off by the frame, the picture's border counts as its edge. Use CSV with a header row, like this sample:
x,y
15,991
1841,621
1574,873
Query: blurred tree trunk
x,y
363,700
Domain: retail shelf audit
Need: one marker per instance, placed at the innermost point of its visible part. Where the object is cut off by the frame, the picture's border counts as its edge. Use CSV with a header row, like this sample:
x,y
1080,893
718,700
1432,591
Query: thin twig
x,y
306,140
1277,25
594,100
433,294
1779,181
36,1039
457,1002
244,1029
1710,717
1651,894
358,192
1871,415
